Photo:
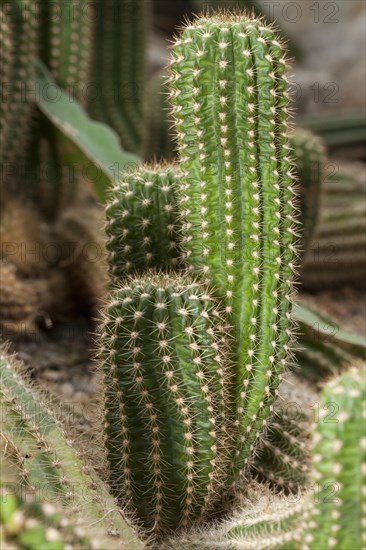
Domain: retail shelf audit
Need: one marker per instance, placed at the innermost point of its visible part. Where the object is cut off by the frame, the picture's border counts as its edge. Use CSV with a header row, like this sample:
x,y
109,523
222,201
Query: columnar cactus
x,y
228,92
339,518
65,45
49,467
142,221
119,67
167,401
19,43
309,153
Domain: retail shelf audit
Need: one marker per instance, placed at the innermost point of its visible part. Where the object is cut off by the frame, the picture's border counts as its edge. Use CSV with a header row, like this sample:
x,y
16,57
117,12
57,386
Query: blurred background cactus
x,y
191,261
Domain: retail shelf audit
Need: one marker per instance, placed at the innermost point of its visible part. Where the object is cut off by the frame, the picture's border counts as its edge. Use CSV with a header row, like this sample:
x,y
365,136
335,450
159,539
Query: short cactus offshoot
x,y
142,221
167,401
229,98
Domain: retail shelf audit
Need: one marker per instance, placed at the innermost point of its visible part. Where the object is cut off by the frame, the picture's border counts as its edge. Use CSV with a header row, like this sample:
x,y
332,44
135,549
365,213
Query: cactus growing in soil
x,y
118,68
237,195
49,467
142,221
167,400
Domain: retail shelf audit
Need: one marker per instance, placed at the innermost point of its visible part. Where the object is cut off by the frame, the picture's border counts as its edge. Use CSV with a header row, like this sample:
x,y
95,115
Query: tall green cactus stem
x,y
49,465
66,43
18,34
309,153
119,67
264,521
142,221
228,92
339,520
167,401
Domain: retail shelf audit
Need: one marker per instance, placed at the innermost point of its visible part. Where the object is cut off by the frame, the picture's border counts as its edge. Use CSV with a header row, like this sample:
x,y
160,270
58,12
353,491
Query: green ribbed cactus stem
x,y
48,465
65,43
318,360
228,92
118,71
339,517
265,521
309,153
338,251
142,221
283,457
167,401
19,43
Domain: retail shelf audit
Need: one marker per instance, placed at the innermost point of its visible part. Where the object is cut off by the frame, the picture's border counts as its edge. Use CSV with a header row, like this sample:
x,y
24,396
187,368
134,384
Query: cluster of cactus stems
x,y
198,328
234,198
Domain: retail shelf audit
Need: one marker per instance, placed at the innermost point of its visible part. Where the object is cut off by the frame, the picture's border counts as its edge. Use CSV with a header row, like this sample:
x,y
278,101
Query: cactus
x,y
338,520
49,466
264,521
142,221
19,32
309,152
167,400
65,44
118,69
236,195
337,254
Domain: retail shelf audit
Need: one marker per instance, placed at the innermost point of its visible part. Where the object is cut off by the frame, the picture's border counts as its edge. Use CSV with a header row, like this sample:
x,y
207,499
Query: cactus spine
x,y
48,464
167,401
339,518
237,194
119,67
142,221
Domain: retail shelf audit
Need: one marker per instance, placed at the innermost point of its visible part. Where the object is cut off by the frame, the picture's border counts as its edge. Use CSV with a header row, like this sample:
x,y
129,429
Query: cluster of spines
x,y
118,68
309,152
264,521
142,221
167,400
339,444
237,193
19,39
48,466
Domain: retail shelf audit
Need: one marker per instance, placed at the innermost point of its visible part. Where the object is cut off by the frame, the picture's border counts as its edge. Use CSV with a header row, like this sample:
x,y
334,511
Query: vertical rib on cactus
x,y
228,92
309,153
47,463
339,519
142,221
166,401
119,67
19,28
